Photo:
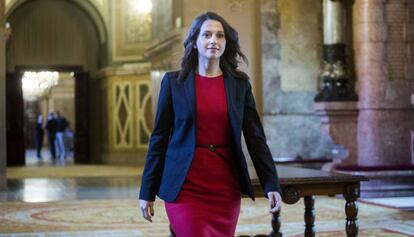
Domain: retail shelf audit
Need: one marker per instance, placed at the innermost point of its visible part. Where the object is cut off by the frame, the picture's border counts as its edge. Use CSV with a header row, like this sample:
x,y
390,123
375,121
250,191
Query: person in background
x,y
51,127
61,126
69,136
39,136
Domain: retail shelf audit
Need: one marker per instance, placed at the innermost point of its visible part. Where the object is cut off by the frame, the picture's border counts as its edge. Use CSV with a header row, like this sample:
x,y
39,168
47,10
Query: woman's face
x,y
211,41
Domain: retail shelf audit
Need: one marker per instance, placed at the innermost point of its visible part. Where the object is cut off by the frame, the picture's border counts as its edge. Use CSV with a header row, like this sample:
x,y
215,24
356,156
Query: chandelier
x,y
38,84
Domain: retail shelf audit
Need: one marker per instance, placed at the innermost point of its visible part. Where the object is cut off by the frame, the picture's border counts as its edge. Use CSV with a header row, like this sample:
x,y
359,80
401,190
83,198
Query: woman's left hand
x,y
275,201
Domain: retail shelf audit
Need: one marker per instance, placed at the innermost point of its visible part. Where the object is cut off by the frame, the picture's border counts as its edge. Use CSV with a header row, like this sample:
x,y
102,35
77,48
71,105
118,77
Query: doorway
x,y
63,36
27,115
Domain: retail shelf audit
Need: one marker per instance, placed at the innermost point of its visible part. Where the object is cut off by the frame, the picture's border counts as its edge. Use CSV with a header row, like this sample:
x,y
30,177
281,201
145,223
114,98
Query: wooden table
x,y
297,183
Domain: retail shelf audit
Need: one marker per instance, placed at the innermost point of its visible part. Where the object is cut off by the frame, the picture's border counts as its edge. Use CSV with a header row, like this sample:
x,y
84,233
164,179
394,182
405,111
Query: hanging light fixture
x,y
38,84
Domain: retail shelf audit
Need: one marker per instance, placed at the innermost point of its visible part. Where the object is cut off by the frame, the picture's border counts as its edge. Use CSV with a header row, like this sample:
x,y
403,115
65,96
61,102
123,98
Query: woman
x,y
195,161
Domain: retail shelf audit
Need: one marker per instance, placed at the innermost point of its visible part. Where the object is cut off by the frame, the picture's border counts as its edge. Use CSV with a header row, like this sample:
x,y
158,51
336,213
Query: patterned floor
x,y
120,217
403,203
48,199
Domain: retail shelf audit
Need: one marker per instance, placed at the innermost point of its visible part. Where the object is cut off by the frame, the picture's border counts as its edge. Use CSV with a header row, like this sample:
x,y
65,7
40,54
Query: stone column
x,y
386,115
3,145
340,121
336,102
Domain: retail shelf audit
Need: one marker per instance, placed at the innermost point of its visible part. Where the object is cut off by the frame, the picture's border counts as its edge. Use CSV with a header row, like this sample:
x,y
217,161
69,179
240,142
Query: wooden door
x,y
15,120
82,136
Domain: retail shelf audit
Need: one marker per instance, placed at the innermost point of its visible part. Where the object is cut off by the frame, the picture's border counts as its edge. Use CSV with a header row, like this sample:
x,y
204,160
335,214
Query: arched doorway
x,y
52,35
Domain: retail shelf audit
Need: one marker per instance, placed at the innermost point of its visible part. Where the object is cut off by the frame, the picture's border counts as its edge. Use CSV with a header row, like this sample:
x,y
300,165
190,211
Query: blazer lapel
x,y
231,95
189,87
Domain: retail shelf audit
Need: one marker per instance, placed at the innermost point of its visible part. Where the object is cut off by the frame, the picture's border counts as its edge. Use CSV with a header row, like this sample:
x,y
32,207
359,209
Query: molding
x,y
236,4
160,47
124,130
121,49
125,70
141,103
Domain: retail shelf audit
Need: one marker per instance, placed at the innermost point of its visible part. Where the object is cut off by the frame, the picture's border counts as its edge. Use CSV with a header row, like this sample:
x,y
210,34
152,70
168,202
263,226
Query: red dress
x,y
208,204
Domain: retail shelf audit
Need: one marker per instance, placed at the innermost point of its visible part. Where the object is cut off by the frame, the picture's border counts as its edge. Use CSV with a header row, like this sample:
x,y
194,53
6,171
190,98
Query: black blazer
x,y
173,139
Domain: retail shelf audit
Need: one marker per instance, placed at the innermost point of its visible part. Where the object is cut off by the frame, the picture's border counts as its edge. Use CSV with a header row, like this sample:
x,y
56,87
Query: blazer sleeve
x,y
256,145
160,136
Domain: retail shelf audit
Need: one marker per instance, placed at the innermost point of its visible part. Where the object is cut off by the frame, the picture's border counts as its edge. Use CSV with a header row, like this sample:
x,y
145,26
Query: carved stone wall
x,y
127,92
130,31
163,19
290,56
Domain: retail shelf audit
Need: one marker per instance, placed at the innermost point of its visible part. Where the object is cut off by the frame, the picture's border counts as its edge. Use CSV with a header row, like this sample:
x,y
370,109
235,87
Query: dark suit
x,y
173,139
39,139
51,127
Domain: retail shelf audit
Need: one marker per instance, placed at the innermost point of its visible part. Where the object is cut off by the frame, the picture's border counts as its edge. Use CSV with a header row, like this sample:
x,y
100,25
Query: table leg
x,y
276,223
309,216
351,210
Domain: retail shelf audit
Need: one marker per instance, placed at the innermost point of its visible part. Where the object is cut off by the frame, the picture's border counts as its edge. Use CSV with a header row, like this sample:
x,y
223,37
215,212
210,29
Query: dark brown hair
x,y
229,61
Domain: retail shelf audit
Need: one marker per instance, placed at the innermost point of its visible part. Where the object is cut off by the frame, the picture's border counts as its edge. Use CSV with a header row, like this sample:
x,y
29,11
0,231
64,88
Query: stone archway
x,y
57,33
87,6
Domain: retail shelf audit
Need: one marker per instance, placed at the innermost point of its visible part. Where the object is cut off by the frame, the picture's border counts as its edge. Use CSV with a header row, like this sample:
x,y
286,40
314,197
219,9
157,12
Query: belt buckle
x,y
211,148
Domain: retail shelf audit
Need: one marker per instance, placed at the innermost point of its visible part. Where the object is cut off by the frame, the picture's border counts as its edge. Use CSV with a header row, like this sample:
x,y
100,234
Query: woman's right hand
x,y
147,209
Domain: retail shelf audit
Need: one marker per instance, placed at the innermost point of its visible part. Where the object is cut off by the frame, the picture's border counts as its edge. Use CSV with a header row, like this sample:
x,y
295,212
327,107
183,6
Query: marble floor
x,y
32,160
59,189
403,203
87,188
40,191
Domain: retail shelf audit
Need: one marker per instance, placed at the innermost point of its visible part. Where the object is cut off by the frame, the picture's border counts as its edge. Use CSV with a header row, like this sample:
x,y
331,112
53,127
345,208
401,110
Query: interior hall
x,y
333,82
